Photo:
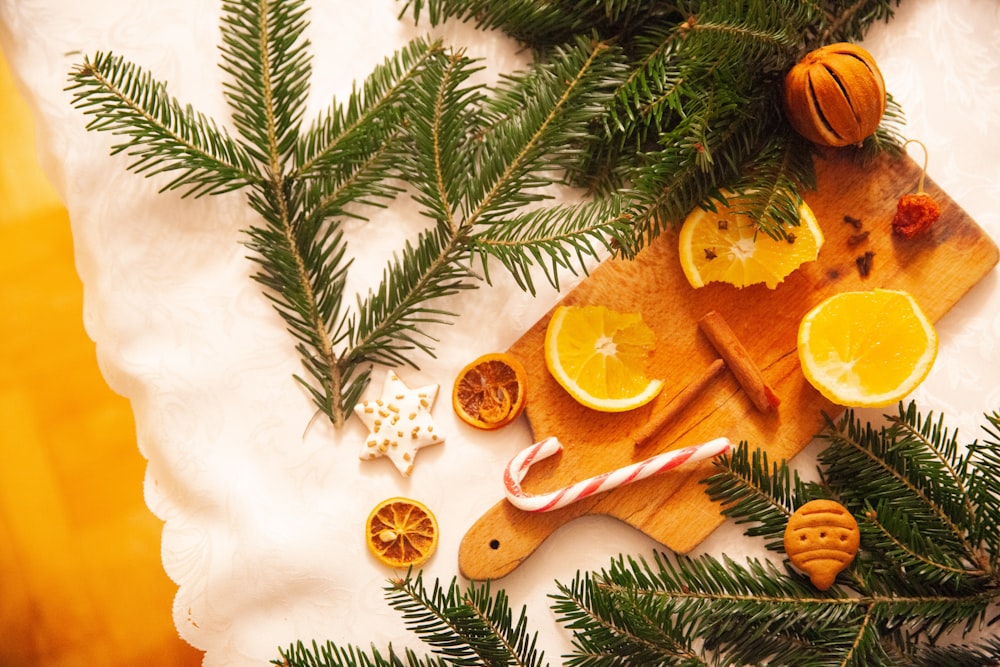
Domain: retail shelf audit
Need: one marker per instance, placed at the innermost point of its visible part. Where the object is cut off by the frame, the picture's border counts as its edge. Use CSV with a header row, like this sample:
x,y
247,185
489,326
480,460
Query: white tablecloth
x,y
263,516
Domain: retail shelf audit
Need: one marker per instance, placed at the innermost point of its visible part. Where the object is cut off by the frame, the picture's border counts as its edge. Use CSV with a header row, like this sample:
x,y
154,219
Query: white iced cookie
x,y
400,423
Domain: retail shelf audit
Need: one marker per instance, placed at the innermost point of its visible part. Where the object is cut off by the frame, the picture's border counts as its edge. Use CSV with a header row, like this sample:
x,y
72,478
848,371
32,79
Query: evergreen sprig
x,y
926,567
655,107
925,575
161,135
469,625
699,110
477,158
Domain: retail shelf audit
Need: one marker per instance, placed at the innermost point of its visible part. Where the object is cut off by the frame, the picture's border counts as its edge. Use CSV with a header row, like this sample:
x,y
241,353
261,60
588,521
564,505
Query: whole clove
x,y
864,263
857,239
853,222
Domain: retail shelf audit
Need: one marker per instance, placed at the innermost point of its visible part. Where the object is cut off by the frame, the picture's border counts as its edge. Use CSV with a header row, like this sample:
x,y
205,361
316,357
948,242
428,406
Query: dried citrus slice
x,y
866,349
490,391
401,532
724,246
600,356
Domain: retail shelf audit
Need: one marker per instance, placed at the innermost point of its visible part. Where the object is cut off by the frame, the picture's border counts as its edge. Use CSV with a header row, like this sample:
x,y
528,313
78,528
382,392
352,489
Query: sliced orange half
x,y
866,349
600,357
724,246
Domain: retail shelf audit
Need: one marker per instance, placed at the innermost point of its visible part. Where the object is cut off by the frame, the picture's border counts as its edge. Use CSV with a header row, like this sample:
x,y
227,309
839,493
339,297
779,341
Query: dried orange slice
x,y
866,349
725,247
600,357
490,392
401,532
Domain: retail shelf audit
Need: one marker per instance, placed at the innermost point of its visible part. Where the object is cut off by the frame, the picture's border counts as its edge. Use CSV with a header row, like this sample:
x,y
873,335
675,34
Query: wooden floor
x,y
80,576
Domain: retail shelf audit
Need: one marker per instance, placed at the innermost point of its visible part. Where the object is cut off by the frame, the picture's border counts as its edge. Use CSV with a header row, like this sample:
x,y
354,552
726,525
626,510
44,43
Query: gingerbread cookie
x,y
821,539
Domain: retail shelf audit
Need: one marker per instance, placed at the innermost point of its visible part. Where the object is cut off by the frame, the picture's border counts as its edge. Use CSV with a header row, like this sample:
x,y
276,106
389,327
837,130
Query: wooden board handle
x,y
505,536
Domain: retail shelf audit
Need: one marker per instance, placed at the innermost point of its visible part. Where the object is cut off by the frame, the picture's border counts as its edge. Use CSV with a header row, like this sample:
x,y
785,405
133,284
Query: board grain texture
x,y
937,269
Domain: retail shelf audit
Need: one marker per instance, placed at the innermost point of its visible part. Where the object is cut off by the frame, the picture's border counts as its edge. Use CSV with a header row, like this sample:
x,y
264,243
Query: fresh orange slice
x,y
866,349
490,392
724,246
401,532
600,357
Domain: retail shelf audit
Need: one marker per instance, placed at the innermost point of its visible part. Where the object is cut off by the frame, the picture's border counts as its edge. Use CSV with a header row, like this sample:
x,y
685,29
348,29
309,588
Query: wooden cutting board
x,y
937,268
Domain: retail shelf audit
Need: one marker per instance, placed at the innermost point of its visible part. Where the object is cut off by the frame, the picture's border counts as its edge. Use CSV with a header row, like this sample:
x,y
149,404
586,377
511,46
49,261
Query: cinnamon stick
x,y
660,418
717,330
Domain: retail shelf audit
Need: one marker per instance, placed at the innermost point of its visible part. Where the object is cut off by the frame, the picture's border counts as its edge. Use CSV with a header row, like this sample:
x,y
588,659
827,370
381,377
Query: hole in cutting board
x,y
494,544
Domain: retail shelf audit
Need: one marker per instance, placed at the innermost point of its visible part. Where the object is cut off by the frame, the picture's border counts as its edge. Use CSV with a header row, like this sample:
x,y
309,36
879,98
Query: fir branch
x,y
962,655
601,635
555,238
292,253
541,120
162,135
289,174
706,611
904,465
718,610
371,118
749,613
268,64
543,24
769,193
675,134
469,627
330,654
752,490
933,436
463,626
893,533
849,20
678,177
391,322
515,139
984,492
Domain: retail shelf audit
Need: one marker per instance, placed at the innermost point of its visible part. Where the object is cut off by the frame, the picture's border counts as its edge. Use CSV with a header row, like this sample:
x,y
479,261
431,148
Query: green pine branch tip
x,y
416,118
651,109
892,606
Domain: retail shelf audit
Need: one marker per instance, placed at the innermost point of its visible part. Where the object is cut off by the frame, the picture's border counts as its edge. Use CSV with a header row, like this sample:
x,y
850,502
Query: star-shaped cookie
x,y
399,422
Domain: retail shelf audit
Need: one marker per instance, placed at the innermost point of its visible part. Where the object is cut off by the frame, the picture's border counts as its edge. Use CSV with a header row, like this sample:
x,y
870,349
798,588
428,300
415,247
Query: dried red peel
x,y
915,213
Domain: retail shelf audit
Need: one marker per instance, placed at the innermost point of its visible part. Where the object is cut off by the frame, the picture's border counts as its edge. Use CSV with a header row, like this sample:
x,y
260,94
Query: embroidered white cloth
x,y
262,516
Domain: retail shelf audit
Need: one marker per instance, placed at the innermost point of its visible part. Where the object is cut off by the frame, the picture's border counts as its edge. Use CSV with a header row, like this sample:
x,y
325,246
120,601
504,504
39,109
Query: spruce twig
x,y
653,105
161,135
469,625
303,180
697,113
892,606
926,565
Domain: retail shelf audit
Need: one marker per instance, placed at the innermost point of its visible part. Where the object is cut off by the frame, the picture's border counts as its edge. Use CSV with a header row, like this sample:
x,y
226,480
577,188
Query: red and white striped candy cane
x,y
546,502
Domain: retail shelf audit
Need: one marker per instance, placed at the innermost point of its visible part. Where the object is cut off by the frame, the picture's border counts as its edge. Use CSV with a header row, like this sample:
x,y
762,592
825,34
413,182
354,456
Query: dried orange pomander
x,y
835,96
915,213
490,392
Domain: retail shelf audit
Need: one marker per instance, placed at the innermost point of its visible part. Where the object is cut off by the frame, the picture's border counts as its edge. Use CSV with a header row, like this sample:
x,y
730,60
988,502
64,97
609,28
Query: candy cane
x,y
546,502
